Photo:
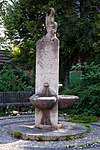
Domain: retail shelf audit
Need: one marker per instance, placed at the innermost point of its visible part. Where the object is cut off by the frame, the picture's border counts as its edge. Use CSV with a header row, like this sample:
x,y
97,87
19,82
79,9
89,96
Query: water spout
x,y
46,91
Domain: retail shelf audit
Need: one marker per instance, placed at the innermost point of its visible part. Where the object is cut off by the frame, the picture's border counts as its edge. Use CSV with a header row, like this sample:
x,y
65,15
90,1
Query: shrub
x,y
13,80
88,90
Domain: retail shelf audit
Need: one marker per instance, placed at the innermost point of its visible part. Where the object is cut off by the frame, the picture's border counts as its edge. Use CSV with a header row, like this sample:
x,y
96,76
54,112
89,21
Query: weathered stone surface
x,y
43,103
47,64
65,101
51,25
69,131
47,72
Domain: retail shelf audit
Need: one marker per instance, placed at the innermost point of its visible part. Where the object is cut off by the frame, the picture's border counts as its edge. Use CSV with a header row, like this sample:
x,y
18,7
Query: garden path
x,y
9,143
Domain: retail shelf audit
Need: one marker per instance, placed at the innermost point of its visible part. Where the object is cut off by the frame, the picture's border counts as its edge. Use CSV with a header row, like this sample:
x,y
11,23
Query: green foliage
x,y
89,103
88,90
24,22
15,51
82,119
89,128
13,80
69,137
2,113
16,134
91,72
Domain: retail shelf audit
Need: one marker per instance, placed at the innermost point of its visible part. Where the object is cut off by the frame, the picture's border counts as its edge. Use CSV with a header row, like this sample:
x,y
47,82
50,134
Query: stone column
x,y
47,71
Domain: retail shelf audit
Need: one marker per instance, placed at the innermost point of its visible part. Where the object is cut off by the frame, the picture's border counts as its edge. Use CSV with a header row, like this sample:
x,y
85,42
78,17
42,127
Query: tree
x,y
78,34
77,30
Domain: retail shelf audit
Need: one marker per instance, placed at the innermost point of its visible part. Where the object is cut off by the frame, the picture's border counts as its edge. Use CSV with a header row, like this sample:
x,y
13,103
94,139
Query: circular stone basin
x,y
43,103
28,131
65,101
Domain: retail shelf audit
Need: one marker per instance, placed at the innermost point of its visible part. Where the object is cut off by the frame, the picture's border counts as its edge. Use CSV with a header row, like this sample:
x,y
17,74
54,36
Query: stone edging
x,y
91,139
75,130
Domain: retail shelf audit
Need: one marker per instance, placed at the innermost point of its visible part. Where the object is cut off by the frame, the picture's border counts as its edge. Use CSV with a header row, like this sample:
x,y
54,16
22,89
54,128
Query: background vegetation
x,y
12,79
88,90
78,32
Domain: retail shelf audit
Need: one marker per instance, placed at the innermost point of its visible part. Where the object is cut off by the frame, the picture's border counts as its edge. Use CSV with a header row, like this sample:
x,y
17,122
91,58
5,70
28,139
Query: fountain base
x,y
49,127
69,131
46,116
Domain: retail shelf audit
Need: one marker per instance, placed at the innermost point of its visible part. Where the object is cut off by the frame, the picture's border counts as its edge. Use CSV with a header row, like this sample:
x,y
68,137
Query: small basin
x,y
65,101
43,103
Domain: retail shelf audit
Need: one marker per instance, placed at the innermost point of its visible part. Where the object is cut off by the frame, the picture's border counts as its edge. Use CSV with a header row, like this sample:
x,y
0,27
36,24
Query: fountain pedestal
x,y
43,108
47,71
46,96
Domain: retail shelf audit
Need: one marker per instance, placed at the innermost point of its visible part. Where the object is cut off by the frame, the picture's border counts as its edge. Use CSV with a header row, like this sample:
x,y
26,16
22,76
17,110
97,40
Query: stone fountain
x,y
46,98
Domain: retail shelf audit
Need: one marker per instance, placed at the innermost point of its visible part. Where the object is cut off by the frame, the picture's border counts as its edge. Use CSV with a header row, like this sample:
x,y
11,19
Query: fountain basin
x,y
43,103
65,101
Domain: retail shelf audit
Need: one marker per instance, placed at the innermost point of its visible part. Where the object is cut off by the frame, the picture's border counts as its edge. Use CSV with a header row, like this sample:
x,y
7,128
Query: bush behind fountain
x,y
88,89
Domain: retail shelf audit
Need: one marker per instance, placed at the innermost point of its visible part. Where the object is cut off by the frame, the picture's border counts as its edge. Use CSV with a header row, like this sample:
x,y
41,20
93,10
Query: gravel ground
x,y
9,143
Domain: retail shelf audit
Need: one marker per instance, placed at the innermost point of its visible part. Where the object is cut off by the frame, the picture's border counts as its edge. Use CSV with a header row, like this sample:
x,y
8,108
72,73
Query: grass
x,y
89,128
82,119
2,114
16,134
